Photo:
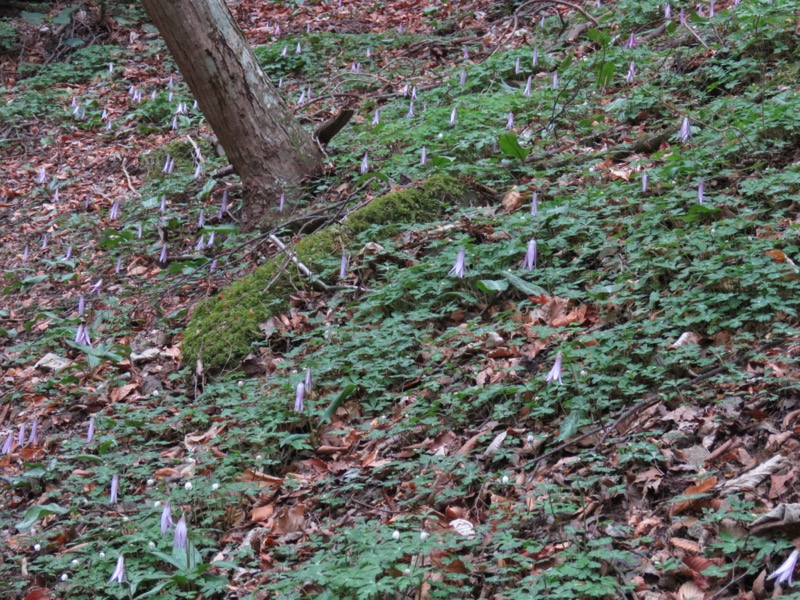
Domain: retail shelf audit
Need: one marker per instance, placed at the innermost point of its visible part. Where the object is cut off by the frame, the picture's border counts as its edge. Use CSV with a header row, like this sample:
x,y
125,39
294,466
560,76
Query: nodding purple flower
x,y
701,189
200,244
527,90
201,220
213,266
282,202
535,57
686,130
195,105
711,7
44,242
104,115
170,96
112,496
453,115
356,68
198,171
682,16
280,83
211,238
171,166
405,90
166,518
174,125
171,82
284,51
81,305
137,97
667,11
277,30
98,285
632,42
82,335
365,163
411,110
114,213
181,533
108,125
298,398
541,21
26,253
376,118
139,231
555,372
784,573
302,97
131,91
90,431
224,207
462,78
21,435
118,267
631,73
368,53
119,571
510,121
110,67
555,80
466,53
534,204
42,177
423,156
307,382
8,445
343,265
460,267
299,49
529,262
644,181
33,436
56,195
68,253
162,258
516,66
153,95
414,92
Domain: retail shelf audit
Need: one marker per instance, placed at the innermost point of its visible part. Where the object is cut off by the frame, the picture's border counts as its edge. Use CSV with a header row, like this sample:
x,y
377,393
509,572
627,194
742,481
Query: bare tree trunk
x,y
266,146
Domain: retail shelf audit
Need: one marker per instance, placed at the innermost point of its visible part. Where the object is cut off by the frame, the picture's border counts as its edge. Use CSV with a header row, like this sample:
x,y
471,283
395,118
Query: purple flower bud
x,y
631,73
201,220
213,266
8,444
701,188
81,305
171,83
555,80
33,437
356,68
165,168
460,267
68,253
541,21
453,115
414,93
25,253
166,518
118,267
343,265
667,12
632,42
181,533
44,242
82,336
644,181
307,382
534,204
112,496
365,164
280,83
42,177
711,7
200,244
224,206
423,156
21,435
302,97
686,130
170,96
516,66
529,262
162,258
98,285
555,372
284,51
56,195
411,110
114,213
527,90
108,126
298,399
462,78
376,118
198,171
282,202
277,30
211,238
104,115
405,90
299,49
119,571
510,121
139,231
535,57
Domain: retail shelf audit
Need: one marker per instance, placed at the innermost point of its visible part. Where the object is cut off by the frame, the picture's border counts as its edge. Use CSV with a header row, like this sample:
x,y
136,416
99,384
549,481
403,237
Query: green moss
x,y
222,328
182,153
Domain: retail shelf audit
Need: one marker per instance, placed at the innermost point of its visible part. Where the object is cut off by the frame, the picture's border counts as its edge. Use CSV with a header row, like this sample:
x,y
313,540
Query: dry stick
x,y
128,178
697,37
580,9
650,400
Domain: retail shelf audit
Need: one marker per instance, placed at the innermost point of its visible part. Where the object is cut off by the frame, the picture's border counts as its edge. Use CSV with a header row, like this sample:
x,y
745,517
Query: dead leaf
x,y
686,545
701,489
262,513
784,517
751,479
496,443
463,527
512,200
289,520
686,338
690,591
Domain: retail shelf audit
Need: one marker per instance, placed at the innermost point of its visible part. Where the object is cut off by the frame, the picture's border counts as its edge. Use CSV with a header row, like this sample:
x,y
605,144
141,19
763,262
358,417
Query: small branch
x,y
694,33
128,178
325,132
580,9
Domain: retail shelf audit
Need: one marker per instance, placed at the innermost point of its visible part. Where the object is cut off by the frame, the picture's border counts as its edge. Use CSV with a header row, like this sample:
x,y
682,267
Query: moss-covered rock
x,y
222,328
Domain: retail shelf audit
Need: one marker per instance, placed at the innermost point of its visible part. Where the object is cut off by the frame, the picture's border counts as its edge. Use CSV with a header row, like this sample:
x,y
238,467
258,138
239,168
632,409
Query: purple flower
x,y
783,574
307,382
90,431
711,7
8,445
82,335
516,66
423,156
535,57
26,253
56,196
200,244
210,241
98,285
534,204
667,11
139,231
405,90
174,125
453,115
527,90
376,118
529,262
299,49
42,177
631,73
298,399
68,253
555,372
701,189
213,266
555,80
44,242
118,268
162,258
284,51
181,533
462,78
282,202
114,213
119,572
166,168
112,497
414,92
21,435
510,121
686,130
682,17
343,265
466,53
163,202
460,267
198,171
411,110
33,436
104,115
365,164
644,181
632,42
166,518
201,220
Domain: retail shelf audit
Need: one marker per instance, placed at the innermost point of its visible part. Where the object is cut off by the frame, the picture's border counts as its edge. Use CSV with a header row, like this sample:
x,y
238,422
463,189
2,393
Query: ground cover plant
x,y
532,334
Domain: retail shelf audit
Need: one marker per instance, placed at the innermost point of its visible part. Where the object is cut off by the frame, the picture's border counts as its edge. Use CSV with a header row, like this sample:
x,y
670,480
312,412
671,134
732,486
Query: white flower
x,y
505,479
151,482
214,487
529,439
786,570
240,384
64,577
396,535
75,562
37,547
151,544
423,536
102,555
259,457
187,486
157,503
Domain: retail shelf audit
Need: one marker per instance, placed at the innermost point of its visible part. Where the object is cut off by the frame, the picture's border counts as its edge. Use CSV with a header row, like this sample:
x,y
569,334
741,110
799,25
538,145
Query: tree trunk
x,y
265,145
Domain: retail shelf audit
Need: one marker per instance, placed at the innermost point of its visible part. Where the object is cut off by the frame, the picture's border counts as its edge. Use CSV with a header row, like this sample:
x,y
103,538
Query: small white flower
x,y
64,577
151,544
214,487
102,555
188,486
406,572
240,384
37,547
396,535
151,482
529,439
423,536
505,480
75,562
155,392
259,457
157,503
125,519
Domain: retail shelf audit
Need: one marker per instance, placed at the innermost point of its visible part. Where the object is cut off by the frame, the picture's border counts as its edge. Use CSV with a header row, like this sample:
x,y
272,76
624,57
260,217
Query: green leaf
x,y
32,18
337,402
605,74
523,286
598,37
493,285
34,513
569,426
509,145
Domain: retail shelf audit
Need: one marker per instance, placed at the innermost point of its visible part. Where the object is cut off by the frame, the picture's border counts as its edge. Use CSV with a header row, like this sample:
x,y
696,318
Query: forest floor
x,y
613,416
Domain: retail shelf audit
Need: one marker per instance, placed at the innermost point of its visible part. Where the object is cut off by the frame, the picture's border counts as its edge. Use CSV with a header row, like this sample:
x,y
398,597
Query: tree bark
x,y
266,146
